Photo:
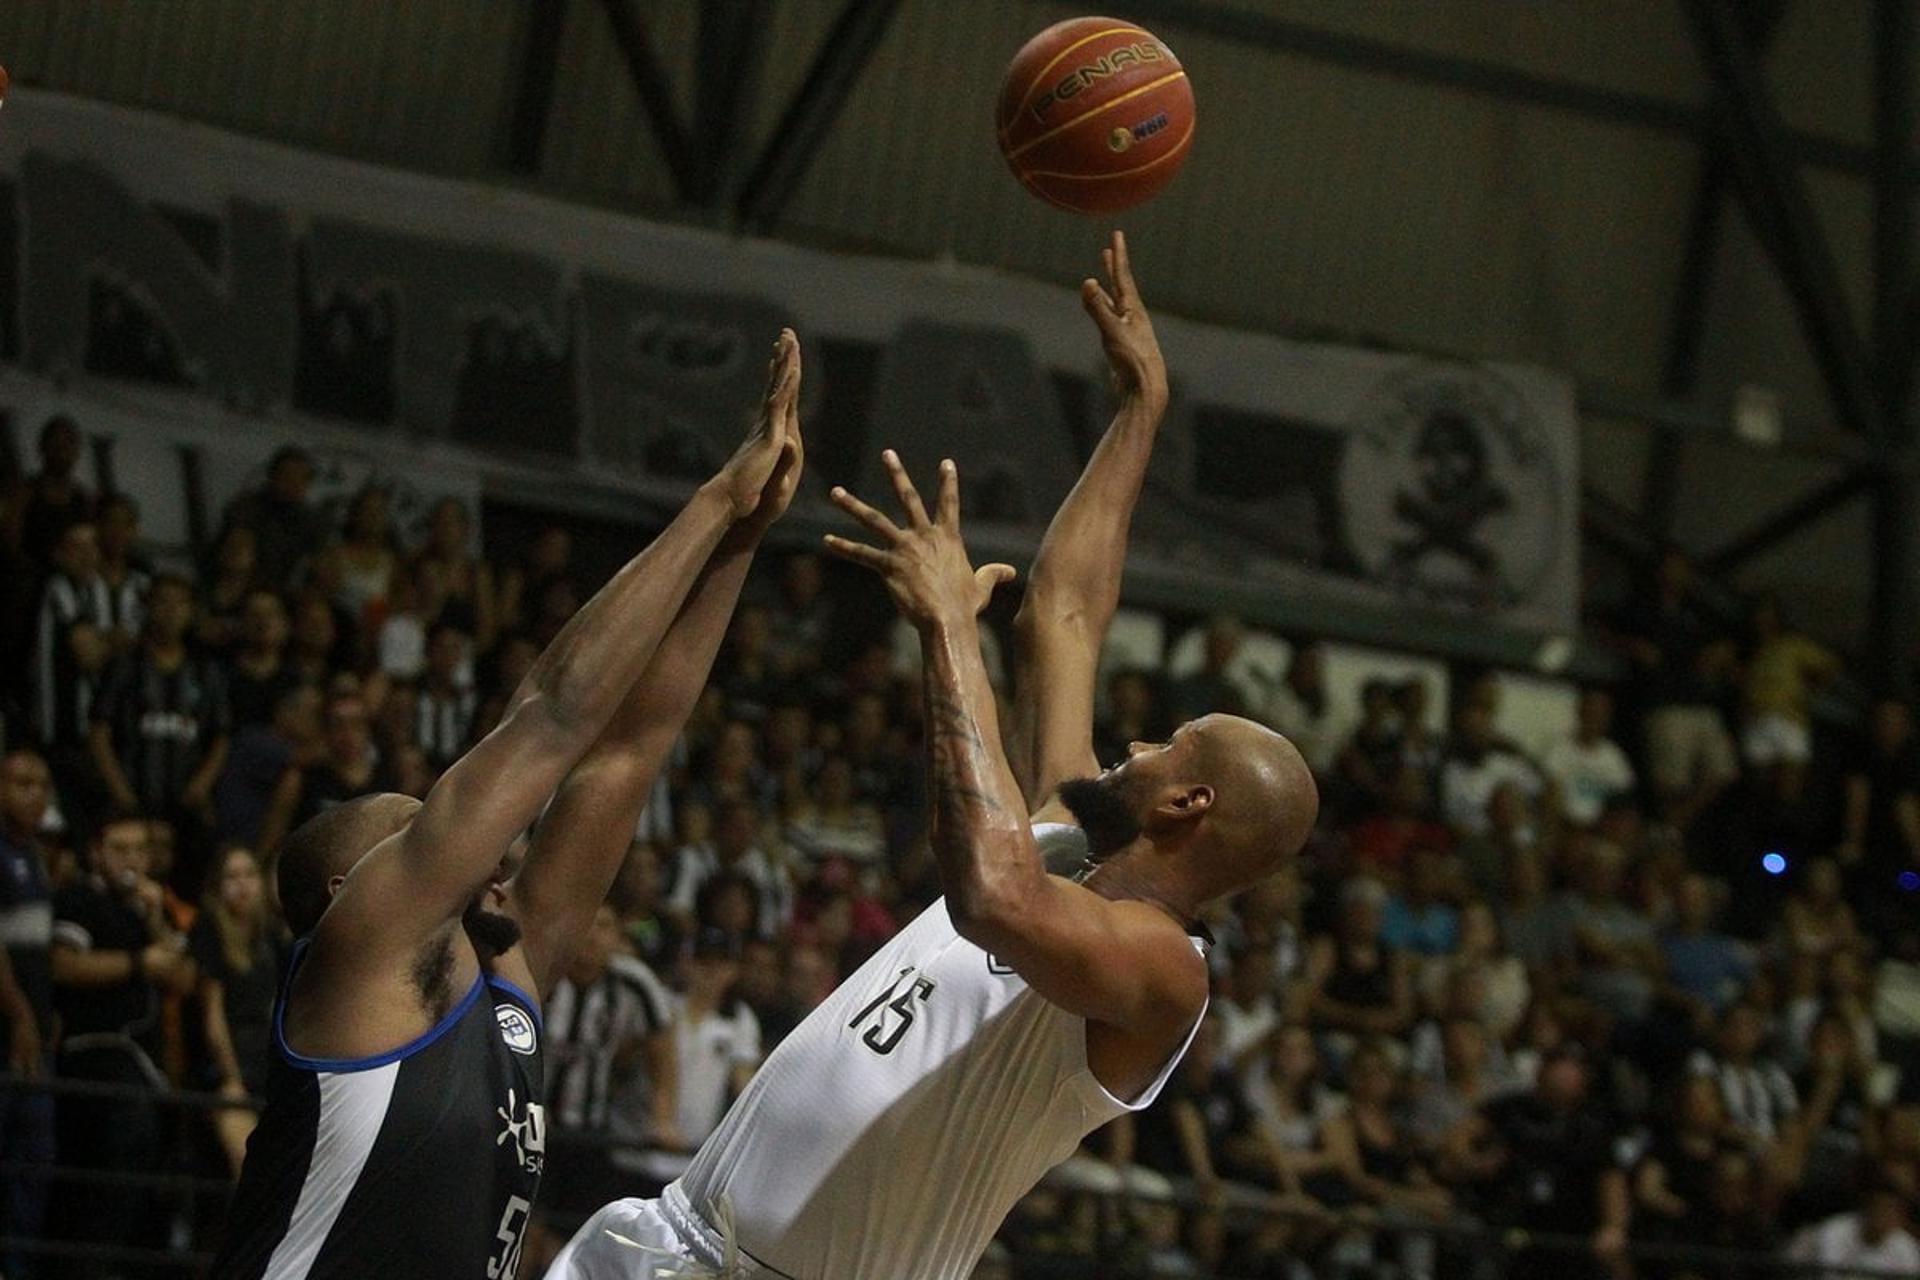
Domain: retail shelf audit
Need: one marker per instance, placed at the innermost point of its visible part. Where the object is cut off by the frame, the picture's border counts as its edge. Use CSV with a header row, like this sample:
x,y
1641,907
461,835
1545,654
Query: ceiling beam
x,y
732,49
1774,192
1776,528
830,79
1491,79
1894,517
539,66
656,94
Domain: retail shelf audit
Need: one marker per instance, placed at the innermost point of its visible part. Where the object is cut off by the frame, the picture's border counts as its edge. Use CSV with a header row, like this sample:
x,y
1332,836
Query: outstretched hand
x,y
925,564
1126,331
746,477
777,494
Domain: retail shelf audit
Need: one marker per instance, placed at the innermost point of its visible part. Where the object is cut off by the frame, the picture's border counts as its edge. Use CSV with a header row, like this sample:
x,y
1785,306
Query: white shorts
x,y
1776,739
650,1240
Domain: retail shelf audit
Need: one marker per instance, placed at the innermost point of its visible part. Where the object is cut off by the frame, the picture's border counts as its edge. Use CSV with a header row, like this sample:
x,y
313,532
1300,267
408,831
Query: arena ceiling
x,y
1576,183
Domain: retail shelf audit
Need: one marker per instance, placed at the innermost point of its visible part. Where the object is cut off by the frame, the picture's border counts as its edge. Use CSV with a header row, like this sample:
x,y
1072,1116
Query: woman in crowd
x,y
368,556
459,579
237,944
232,575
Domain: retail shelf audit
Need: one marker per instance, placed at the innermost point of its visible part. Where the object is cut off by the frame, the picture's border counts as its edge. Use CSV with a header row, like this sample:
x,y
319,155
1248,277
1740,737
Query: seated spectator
x,y
1132,715
1877,1238
1759,1096
1381,844
1538,924
1463,999
788,743
1681,662
1589,769
1292,1104
1817,920
55,500
261,755
1210,688
287,527
73,645
1422,748
1880,833
444,706
238,947
636,896
1357,986
1372,1154
1371,759
400,640
318,647
1476,766
227,584
1674,1179
454,576
745,671
1420,919
1271,915
609,1040
1299,707
161,726
1552,1165
1443,1111
549,559
256,670
29,1027
348,767
1783,672
123,568
114,953
836,825
732,771
1619,955
1896,1008
799,623
1512,832
1706,968
369,555
732,848
1503,987
1247,1013
716,1037
1838,1119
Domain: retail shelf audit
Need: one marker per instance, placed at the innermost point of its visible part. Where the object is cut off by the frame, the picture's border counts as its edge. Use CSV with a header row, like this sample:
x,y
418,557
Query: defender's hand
x,y
777,494
1126,331
924,565
744,478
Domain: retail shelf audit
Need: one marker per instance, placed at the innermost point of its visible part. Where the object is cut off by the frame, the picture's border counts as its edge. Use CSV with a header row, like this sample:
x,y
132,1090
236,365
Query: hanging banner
x,y
139,250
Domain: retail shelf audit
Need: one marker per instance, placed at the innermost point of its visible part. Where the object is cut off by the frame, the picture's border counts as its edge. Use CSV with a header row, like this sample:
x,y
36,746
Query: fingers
x,y
1120,271
946,509
903,490
857,552
989,576
875,521
1095,299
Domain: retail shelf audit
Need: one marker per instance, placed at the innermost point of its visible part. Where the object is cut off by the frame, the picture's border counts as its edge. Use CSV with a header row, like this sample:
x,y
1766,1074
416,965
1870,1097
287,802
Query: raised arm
x,y
1075,584
421,879
1122,963
579,845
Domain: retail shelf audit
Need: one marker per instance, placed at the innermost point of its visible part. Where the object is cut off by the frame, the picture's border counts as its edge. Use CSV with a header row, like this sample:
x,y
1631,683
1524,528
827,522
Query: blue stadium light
x,y
1910,881
1774,864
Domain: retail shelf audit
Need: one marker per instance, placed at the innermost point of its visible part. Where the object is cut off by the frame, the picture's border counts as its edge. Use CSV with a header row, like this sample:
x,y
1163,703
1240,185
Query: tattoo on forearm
x,y
958,766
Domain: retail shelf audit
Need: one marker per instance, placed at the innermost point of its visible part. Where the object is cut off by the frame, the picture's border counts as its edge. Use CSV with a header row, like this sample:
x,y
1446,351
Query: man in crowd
x,y
287,527
114,955
1589,768
26,936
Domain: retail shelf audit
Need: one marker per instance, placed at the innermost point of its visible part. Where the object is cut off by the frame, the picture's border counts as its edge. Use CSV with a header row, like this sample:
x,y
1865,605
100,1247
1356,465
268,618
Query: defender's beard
x,y
1103,813
490,932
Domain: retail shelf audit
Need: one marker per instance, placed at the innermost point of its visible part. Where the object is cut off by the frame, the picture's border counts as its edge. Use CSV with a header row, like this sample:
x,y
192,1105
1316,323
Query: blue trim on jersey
x,y
339,1066
533,1006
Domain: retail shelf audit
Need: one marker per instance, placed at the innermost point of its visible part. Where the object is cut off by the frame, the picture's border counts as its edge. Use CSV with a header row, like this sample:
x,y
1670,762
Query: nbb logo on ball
x,y
1083,77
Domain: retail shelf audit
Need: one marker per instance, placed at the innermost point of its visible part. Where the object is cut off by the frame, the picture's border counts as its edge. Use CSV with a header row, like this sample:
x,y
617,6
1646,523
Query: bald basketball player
x,y
404,1134
889,1134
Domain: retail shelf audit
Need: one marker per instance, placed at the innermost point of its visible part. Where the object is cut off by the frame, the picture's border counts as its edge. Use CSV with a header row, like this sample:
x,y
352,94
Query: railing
x,y
1464,1246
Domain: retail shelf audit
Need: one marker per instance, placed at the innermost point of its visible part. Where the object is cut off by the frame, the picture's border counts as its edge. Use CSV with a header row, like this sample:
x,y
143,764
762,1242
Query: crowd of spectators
x,y
1657,982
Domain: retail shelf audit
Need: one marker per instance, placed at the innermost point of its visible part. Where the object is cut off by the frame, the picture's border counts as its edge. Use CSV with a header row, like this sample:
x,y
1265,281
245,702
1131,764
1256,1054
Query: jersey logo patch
x,y
998,967
527,1129
516,1028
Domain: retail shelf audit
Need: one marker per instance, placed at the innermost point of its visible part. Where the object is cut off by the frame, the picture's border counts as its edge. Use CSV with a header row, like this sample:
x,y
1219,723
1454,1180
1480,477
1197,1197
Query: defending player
x,y
888,1135
403,1134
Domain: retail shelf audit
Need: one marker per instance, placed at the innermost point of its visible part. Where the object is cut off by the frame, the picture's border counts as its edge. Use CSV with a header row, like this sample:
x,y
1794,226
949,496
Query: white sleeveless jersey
x,y
888,1135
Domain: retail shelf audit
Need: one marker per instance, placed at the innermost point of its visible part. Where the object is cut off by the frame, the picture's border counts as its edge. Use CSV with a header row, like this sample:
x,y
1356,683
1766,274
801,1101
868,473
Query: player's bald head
x,y
1221,804
1264,798
328,845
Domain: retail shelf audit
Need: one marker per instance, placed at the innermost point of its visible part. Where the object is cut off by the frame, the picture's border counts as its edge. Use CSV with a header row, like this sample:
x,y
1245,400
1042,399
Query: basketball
x,y
1095,115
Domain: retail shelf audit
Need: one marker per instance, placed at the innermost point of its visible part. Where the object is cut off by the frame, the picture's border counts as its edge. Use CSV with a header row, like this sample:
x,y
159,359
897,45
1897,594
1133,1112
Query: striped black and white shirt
x,y
62,693
593,1033
441,723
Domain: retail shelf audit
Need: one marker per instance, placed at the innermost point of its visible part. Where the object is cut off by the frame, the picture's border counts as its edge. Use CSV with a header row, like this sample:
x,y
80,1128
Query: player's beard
x,y
490,932
1103,814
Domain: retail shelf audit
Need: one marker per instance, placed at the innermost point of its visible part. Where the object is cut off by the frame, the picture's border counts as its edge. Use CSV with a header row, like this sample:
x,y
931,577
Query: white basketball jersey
x,y
890,1133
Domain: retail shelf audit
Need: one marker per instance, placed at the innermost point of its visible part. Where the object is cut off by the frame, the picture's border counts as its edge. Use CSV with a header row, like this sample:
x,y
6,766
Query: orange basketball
x,y
1095,115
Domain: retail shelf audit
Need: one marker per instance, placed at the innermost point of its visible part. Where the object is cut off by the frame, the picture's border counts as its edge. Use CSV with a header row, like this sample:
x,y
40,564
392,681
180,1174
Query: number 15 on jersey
x,y
890,1014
